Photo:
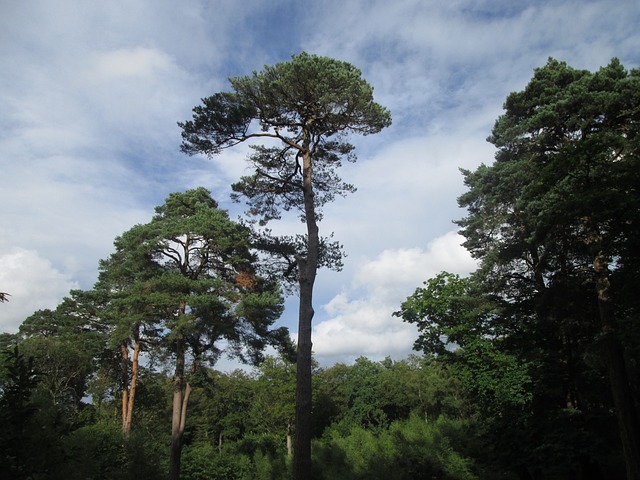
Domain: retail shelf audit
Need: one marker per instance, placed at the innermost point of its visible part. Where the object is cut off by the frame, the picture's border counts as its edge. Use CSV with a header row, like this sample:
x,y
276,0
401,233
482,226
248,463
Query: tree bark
x,y
307,274
124,358
178,414
628,424
129,391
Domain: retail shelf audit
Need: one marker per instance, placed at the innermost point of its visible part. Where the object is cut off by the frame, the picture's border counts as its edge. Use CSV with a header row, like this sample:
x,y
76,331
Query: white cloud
x,y
360,320
33,284
130,62
90,94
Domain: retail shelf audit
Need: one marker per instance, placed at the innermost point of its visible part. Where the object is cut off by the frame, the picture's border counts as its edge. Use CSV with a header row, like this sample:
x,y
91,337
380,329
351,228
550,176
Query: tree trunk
x,y
302,450
129,393
307,274
178,413
622,397
124,359
289,441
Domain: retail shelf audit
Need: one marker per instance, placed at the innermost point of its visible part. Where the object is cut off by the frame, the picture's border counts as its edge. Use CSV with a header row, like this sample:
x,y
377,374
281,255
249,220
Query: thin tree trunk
x,y
129,391
132,386
183,414
289,440
628,424
177,428
302,451
307,274
124,358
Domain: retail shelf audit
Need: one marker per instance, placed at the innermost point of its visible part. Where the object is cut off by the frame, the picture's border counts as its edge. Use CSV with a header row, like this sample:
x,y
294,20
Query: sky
x,y
91,93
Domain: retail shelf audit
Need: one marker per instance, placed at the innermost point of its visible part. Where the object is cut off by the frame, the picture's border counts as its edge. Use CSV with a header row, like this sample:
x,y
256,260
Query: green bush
x,y
410,449
99,451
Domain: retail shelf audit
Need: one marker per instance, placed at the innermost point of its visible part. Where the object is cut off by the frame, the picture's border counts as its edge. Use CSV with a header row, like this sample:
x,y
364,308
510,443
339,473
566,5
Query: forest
x,y
526,369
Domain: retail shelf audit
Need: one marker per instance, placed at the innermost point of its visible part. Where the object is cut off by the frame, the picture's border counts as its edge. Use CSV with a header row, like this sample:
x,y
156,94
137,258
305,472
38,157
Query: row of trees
x,y
530,369
63,418
179,280
179,290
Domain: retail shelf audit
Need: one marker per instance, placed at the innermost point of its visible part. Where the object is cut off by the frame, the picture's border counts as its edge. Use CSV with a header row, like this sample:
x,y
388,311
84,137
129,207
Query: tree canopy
x,y
530,365
302,111
190,276
554,223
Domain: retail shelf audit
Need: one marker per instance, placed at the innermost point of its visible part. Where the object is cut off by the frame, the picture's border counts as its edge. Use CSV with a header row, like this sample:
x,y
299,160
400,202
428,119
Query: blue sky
x,y
91,93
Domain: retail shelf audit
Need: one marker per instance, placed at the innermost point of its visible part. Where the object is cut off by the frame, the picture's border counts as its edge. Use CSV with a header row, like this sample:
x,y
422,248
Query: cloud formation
x,y
91,93
360,319
32,283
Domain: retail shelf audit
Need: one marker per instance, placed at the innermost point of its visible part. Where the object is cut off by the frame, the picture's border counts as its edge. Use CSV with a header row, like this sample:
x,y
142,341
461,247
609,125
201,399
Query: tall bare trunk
x,y
124,359
628,424
178,413
129,391
289,440
307,274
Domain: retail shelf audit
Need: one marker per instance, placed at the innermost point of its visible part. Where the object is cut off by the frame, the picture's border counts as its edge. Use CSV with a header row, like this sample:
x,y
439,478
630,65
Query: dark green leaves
x,y
309,95
222,121
440,310
190,272
320,94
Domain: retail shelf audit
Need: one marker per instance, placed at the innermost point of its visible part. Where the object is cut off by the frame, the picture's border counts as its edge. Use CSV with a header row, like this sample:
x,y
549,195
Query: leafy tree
x,y
568,150
554,222
456,324
17,384
363,397
201,288
132,319
420,386
274,399
222,407
67,345
304,108
330,396
439,309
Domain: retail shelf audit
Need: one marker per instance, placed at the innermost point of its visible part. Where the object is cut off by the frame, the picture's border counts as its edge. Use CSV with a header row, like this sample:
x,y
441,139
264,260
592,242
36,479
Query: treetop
x,y
317,95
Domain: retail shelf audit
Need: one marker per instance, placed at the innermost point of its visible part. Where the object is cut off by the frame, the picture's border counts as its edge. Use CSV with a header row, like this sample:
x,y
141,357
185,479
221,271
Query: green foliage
x,y
307,105
273,405
553,223
17,386
424,387
362,392
441,310
235,462
96,448
220,406
203,462
330,397
409,449
248,412
268,467
67,345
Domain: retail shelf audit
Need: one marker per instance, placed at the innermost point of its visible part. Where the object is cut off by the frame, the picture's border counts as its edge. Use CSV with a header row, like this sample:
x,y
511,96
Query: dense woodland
x,y
526,369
